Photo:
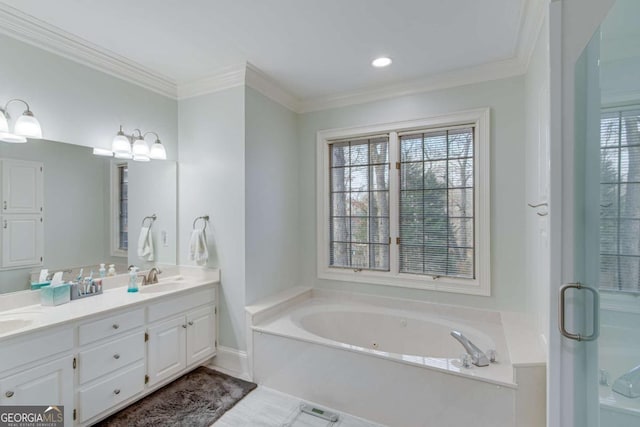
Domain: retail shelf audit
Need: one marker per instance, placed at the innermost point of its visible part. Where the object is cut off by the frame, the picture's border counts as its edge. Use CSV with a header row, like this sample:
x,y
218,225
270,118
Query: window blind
x,y
620,200
359,205
437,203
123,208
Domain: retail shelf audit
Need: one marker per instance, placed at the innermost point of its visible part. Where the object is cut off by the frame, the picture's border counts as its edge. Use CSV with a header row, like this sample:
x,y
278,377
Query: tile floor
x,y
265,407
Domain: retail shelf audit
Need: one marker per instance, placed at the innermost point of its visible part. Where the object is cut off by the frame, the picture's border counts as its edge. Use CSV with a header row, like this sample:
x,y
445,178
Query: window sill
x,y
403,280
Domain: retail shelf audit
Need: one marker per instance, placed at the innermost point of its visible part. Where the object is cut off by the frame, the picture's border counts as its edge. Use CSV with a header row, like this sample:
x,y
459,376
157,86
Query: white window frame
x,y
115,209
481,284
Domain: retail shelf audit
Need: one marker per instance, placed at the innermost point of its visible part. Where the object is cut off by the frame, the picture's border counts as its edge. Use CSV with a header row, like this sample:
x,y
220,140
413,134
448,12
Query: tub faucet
x,y
478,358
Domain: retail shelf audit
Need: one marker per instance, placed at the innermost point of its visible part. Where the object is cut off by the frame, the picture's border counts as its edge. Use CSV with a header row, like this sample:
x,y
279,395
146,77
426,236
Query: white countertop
x,y
114,297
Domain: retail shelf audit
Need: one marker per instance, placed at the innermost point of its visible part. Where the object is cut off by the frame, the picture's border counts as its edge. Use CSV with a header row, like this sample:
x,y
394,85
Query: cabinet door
x,y
167,349
48,384
22,240
201,335
22,187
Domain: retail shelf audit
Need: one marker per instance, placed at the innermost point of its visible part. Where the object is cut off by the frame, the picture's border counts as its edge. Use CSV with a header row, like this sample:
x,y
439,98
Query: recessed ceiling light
x,y
383,61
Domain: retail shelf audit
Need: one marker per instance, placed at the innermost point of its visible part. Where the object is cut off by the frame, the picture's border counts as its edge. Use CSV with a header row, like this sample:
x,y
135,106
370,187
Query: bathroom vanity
x,y
100,354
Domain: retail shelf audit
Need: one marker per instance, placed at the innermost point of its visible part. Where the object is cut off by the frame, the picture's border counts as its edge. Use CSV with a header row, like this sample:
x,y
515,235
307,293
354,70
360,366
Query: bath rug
x,y
193,400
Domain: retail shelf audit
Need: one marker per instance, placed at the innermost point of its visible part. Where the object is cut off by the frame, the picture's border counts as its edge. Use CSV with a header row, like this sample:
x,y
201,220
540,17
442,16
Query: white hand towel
x,y
145,244
198,250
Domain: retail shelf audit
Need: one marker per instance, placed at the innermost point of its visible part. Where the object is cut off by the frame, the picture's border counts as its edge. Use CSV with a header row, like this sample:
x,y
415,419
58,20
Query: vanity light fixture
x,y
134,147
381,62
26,126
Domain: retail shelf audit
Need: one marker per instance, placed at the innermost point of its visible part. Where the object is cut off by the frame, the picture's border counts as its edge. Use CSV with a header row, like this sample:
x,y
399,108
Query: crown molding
x,y
532,18
19,25
224,79
264,84
477,74
31,30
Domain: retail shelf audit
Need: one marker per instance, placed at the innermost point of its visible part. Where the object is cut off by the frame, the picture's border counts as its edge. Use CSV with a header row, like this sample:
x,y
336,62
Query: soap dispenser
x,y
133,280
102,271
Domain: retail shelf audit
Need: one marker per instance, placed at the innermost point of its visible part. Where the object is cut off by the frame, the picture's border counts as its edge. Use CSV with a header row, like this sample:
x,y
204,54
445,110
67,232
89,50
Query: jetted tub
x,y
394,361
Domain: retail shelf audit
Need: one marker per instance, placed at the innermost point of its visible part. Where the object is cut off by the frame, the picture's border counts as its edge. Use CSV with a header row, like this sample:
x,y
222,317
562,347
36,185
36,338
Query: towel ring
x,y
151,219
205,218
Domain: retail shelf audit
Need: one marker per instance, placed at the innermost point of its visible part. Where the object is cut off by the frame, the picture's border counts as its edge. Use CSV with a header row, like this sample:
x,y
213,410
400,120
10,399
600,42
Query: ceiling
x,y
312,48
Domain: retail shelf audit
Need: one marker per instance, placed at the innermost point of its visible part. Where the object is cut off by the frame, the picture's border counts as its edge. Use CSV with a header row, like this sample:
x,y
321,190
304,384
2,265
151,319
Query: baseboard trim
x,y
232,362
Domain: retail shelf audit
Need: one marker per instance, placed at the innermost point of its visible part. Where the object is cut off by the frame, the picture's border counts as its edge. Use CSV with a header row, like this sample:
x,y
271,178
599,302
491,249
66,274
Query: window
x,y
119,209
620,200
407,204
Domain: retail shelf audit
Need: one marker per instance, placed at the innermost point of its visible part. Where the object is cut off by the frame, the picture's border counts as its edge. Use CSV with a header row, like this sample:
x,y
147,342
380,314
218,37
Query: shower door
x,y
599,302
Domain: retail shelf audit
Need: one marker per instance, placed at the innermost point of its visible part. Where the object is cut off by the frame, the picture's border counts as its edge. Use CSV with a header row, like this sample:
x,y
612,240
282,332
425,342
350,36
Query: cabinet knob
x,y
116,391
115,326
5,205
184,326
9,394
116,356
191,323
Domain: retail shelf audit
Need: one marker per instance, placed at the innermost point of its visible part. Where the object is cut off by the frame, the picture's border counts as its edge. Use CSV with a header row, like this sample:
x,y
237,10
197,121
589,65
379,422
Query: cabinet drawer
x,y
111,326
110,392
111,356
32,347
181,304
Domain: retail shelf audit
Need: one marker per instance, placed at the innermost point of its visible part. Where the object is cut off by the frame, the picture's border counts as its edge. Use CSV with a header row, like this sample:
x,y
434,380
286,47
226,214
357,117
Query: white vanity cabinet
x,y
22,214
38,369
185,336
111,365
114,354
47,384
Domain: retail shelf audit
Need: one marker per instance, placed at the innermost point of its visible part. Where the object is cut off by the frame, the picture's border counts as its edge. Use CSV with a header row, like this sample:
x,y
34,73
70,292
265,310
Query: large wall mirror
x,y
93,210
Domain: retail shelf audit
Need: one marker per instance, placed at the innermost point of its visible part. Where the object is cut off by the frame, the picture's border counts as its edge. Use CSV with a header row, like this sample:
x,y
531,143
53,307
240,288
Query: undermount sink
x,y
8,325
161,287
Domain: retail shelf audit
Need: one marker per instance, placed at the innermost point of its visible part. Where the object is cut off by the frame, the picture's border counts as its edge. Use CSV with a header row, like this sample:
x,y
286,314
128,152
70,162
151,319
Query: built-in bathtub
x,y
393,361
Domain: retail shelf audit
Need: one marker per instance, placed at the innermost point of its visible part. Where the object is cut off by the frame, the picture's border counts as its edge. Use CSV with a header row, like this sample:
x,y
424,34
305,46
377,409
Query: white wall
x,y
211,181
78,104
506,99
153,189
271,176
537,181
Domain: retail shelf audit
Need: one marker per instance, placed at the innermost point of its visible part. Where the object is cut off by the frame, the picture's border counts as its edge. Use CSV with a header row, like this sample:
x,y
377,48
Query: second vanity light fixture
x,y
26,126
134,147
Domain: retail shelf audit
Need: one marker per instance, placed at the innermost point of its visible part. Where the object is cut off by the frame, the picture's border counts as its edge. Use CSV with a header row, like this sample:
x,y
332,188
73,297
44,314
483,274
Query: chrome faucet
x,y
629,383
478,358
152,276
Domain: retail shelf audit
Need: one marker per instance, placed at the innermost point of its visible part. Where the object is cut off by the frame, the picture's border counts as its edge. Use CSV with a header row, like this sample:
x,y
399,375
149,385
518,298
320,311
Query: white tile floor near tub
x,y
265,407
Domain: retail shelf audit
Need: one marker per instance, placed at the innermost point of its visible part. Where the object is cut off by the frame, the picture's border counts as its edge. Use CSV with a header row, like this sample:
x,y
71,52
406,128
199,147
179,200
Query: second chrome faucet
x,y
478,357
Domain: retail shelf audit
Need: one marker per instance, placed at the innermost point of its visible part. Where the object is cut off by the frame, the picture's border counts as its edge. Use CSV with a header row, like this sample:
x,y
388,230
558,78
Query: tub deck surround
x,y
392,360
26,305
296,313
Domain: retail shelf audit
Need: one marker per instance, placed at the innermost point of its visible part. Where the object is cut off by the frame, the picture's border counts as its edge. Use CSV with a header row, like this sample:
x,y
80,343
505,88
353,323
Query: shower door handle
x,y
596,313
